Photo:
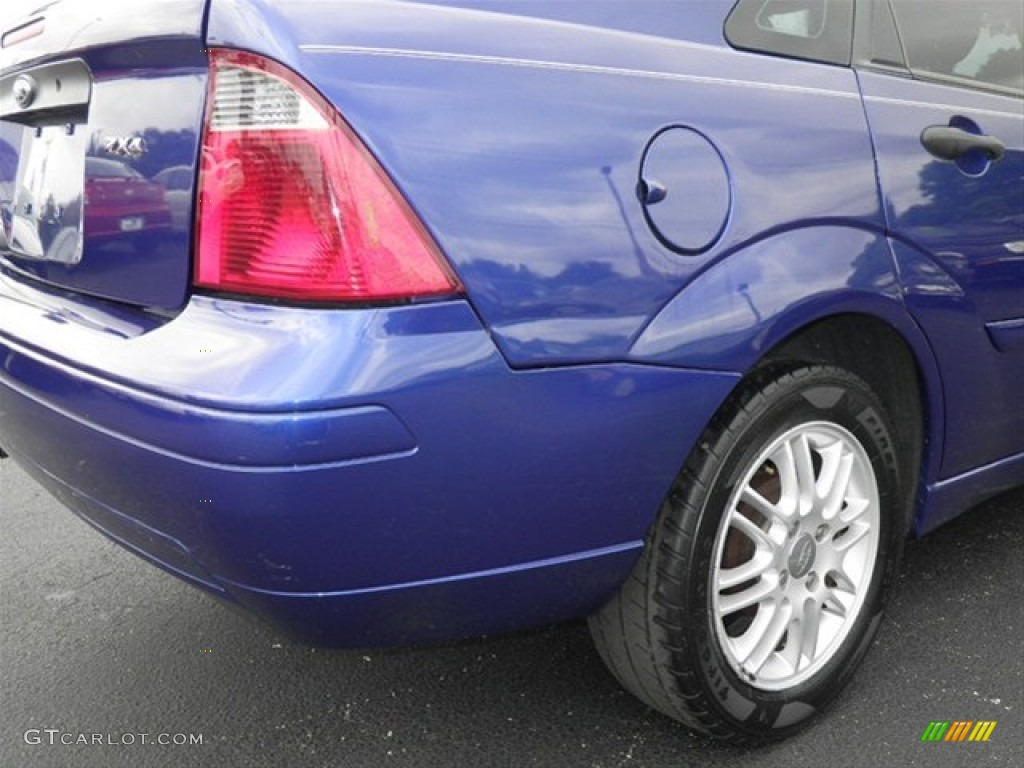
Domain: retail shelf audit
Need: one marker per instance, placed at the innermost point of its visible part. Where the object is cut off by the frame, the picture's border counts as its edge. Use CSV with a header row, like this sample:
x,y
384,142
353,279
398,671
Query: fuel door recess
x,y
684,189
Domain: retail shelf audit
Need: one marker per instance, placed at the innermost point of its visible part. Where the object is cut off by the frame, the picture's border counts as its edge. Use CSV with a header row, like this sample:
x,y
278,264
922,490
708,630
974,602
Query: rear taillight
x,y
293,206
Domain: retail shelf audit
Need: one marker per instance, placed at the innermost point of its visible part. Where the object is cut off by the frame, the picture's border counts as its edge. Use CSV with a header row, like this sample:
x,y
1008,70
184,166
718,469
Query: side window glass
x,y
820,30
787,19
978,41
885,43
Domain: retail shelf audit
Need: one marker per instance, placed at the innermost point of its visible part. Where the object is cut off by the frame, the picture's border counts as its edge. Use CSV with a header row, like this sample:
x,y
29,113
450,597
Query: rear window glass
x,y
819,30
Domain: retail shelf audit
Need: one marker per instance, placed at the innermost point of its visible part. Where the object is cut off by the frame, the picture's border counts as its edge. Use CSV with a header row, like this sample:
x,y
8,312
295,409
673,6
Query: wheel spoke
x,y
853,534
855,507
753,568
830,456
834,605
785,463
803,463
789,654
843,582
837,482
743,645
810,628
751,530
753,595
769,639
762,505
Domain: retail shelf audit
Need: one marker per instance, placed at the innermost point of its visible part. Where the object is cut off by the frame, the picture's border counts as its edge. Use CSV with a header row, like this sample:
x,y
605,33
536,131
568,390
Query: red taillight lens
x,y
293,206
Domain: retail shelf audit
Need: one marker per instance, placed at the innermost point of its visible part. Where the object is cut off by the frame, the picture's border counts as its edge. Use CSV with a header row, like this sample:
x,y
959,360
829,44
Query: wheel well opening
x,y
877,353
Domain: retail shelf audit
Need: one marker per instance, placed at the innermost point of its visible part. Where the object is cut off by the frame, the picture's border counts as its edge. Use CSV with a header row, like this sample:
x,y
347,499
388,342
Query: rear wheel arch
x,y
649,634
847,322
904,377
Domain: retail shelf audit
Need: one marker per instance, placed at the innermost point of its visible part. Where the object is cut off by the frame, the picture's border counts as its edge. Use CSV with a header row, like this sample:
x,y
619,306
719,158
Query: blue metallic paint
x,y
1007,335
573,274
967,228
495,468
419,473
744,305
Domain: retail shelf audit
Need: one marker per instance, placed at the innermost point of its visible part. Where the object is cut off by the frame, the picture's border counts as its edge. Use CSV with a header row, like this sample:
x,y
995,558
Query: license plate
x,y
132,224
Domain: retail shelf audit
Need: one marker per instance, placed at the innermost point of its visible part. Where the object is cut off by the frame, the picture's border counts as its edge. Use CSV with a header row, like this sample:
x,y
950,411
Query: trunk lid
x,y
101,112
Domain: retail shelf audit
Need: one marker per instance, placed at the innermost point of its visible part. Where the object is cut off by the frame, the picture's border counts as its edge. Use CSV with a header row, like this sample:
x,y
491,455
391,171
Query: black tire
x,y
675,636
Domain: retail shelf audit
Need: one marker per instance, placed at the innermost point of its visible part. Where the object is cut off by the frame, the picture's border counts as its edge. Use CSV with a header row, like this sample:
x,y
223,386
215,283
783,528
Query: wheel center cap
x,y
801,555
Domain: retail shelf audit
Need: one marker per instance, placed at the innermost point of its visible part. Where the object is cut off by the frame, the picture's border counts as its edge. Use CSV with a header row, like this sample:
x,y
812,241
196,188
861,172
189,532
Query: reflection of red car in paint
x,y
120,201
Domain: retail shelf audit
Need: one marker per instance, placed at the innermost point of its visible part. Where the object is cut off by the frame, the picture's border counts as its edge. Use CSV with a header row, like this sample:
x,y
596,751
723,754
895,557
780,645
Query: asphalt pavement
x,y
99,647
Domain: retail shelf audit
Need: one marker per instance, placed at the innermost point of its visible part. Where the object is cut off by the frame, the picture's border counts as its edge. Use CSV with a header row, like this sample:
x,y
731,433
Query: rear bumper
x,y
361,477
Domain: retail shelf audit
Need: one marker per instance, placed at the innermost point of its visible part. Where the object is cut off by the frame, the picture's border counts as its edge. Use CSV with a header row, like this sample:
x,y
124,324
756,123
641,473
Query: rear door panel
x,y
971,228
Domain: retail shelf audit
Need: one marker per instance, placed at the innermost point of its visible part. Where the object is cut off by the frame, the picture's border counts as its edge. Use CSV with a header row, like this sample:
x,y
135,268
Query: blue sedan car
x,y
482,314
